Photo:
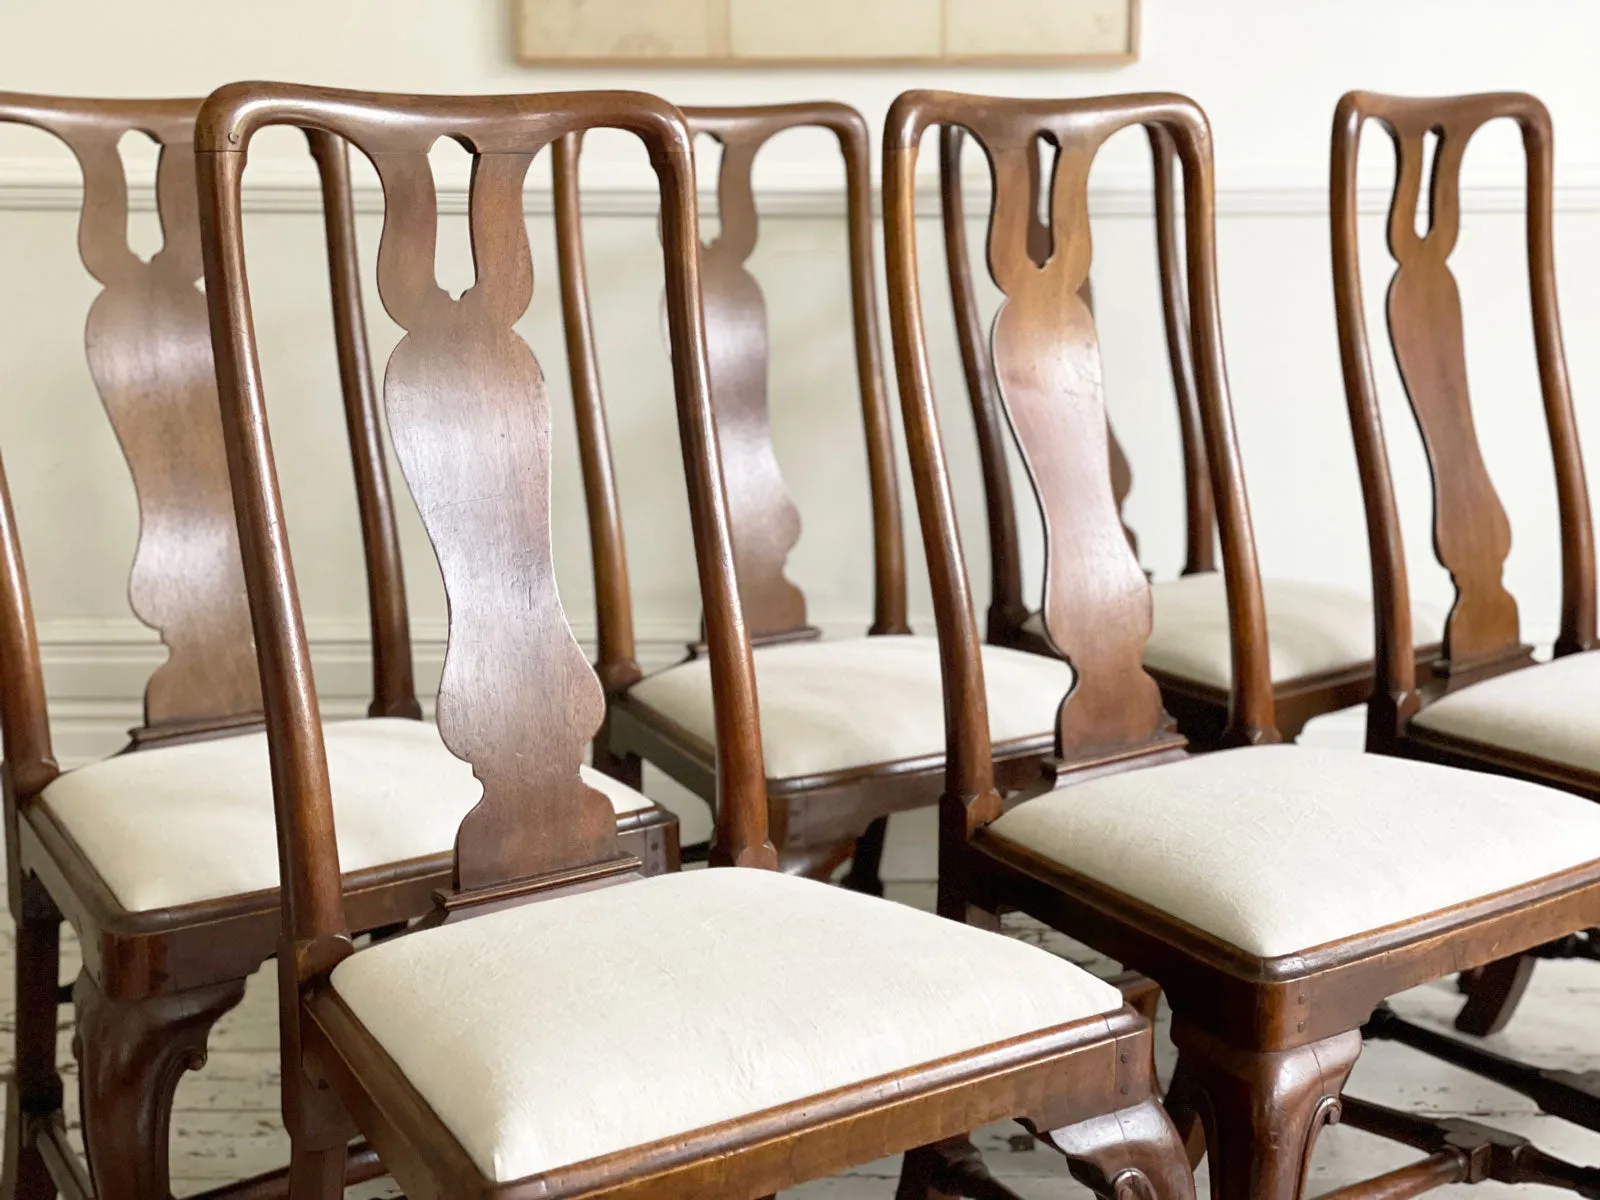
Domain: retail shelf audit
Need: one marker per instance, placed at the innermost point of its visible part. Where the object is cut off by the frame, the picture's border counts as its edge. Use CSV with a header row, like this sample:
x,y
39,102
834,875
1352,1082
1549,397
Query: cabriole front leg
x,y
131,1055
1262,1110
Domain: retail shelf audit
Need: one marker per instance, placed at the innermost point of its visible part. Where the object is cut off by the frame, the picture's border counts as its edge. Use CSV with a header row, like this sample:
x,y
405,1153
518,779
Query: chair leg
x,y
865,866
316,1174
626,769
34,1093
1180,1105
1493,992
1262,1110
131,1055
917,1171
1134,1152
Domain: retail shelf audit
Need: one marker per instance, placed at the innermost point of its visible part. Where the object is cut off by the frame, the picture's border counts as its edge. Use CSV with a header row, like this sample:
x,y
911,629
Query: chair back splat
x,y
470,423
765,520
149,354
1471,533
1047,376
1009,609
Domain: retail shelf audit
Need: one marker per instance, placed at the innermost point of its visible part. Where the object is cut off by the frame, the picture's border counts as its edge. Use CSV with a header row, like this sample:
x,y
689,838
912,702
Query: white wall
x,y
1267,72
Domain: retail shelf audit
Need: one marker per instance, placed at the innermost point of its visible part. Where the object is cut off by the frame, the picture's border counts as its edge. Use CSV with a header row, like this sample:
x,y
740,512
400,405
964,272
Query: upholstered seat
x,y
830,705
1279,849
193,822
1311,629
773,989
1547,710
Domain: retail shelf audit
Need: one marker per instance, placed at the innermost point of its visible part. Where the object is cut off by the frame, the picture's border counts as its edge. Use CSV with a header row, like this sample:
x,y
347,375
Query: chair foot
x,y
865,874
131,1055
1493,992
1262,1110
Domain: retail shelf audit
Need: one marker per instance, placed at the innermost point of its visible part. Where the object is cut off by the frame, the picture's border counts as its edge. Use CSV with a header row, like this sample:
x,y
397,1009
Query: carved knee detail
x,y
1132,1154
1262,1110
131,1055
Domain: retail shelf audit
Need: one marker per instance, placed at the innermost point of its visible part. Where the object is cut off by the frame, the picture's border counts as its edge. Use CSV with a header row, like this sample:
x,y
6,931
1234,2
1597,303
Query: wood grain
x,y
1471,534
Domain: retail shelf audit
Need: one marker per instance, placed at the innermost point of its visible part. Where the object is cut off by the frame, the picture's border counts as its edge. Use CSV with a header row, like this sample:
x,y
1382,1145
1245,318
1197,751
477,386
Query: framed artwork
x,y
813,32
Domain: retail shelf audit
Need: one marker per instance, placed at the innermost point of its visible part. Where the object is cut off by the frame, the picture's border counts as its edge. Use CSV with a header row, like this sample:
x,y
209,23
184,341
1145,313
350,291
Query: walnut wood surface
x,y
1200,710
467,414
1046,367
1471,533
147,345
1266,1043
616,661
1008,608
146,974
1199,508
764,521
469,419
393,689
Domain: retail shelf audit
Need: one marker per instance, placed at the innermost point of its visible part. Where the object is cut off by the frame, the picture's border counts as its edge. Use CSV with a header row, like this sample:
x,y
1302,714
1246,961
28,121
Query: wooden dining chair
x,y
1277,894
1320,635
1488,705
854,730
162,858
512,1045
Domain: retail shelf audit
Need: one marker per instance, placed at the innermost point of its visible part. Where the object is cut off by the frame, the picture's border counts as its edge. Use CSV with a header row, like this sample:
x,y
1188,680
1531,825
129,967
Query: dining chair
x,y
1320,635
854,729
162,858
561,1027
1277,894
1489,705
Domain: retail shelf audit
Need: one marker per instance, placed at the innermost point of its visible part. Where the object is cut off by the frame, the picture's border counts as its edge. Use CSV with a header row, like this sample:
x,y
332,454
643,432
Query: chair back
x,y
1471,533
469,418
149,353
1008,608
1097,605
765,519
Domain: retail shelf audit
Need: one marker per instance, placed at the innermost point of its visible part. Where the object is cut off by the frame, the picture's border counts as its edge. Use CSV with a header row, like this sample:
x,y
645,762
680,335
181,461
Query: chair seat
x,y
1279,849
194,822
653,1009
1548,710
832,705
1311,629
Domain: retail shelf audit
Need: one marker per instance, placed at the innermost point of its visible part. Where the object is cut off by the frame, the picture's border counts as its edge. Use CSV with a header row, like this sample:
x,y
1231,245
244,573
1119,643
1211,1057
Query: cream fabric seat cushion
x,y
1551,711
554,1033
1278,849
830,705
183,824
1311,628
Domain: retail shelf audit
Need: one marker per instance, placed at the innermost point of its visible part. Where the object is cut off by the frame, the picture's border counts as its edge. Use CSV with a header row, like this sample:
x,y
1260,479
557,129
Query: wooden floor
x,y
227,1124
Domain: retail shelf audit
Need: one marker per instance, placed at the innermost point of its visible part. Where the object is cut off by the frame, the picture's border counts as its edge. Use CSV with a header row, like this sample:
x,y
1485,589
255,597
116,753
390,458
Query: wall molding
x,y
53,185
95,670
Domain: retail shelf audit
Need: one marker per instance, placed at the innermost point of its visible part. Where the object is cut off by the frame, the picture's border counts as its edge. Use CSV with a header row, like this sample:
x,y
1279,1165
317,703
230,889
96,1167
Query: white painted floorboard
x,y
227,1126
